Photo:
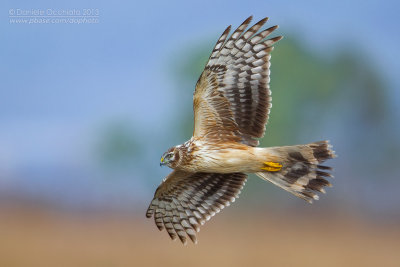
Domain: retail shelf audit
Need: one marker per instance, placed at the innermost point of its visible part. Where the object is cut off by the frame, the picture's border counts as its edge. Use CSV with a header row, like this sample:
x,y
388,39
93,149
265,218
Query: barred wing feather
x,y
184,201
232,97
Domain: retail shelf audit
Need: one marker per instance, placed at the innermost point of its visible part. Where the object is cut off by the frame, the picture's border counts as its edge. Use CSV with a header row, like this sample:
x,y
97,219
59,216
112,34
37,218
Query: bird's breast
x,y
219,158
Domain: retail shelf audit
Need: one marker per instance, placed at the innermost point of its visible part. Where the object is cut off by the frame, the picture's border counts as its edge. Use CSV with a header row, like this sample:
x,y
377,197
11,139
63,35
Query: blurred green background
x,y
88,109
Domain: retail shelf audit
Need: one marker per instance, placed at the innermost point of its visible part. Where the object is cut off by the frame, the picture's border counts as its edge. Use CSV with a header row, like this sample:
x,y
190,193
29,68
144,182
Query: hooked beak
x,y
162,162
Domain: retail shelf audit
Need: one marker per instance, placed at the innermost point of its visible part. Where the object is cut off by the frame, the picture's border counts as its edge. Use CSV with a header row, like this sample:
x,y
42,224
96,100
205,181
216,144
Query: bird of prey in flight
x,y
231,104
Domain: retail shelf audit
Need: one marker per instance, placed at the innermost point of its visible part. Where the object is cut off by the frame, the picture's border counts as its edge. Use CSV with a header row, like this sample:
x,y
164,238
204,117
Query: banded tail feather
x,y
302,173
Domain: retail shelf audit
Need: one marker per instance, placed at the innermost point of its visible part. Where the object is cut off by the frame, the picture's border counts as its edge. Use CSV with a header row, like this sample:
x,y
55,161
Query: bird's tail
x,y
300,171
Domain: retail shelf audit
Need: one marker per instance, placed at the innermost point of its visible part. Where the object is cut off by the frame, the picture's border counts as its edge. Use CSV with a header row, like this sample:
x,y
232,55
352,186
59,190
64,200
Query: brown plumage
x,y
231,105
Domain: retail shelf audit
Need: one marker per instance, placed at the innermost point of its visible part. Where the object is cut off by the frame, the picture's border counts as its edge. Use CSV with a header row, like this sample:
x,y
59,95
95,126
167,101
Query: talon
x,y
272,166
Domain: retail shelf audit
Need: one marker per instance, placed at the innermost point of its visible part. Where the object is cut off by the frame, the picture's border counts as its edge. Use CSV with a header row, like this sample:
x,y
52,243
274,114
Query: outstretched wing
x,y
184,201
232,97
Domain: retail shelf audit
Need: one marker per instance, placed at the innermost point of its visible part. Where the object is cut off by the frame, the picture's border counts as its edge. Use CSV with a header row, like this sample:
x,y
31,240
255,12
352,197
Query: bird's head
x,y
170,158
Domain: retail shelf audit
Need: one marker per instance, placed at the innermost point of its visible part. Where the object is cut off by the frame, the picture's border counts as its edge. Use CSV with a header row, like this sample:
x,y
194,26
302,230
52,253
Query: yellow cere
x,y
272,166
162,159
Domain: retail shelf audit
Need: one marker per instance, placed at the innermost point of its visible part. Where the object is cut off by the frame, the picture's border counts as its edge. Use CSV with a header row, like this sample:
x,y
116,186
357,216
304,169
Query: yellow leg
x,y
272,166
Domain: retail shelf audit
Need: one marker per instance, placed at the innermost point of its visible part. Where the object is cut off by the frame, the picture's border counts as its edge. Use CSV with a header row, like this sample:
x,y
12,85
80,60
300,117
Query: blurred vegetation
x,y
118,147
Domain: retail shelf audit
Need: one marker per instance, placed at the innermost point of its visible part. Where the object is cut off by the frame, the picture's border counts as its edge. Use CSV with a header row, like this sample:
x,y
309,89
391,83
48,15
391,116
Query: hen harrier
x,y
231,104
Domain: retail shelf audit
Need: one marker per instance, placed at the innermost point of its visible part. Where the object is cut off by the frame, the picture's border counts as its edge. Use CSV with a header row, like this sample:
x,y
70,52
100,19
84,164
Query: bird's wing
x,y
184,201
232,97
